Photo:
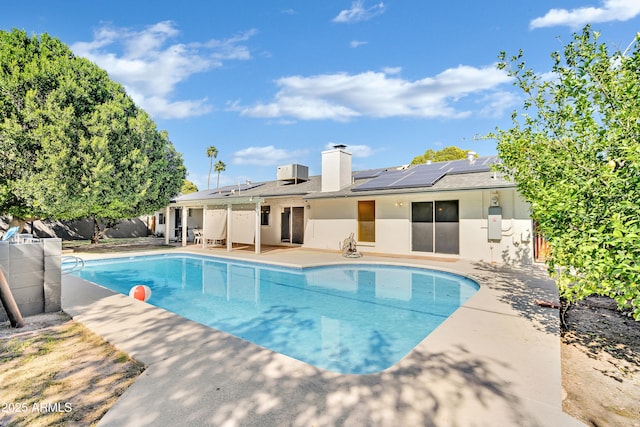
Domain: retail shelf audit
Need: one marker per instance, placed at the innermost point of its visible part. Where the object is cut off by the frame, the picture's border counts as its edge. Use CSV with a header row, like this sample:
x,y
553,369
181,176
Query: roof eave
x,y
394,192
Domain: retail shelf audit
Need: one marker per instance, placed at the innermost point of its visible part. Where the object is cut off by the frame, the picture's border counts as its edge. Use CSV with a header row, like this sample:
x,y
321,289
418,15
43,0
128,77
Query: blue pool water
x,y
355,318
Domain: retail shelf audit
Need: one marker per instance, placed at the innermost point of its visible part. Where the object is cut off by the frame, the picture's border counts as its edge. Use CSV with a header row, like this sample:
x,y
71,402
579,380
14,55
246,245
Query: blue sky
x,y
274,82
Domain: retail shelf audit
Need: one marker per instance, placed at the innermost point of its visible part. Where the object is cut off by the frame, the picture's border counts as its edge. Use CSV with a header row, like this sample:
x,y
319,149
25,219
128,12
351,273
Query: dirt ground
x,y
85,375
601,364
115,245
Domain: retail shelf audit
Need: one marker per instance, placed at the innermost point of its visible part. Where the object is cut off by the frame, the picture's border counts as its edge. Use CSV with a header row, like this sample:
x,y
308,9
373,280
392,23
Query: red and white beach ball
x,y
140,292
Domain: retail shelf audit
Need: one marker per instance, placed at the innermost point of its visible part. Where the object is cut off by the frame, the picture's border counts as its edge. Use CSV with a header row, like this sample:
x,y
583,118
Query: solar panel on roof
x,y
253,185
372,173
236,187
464,166
381,181
402,179
425,175
239,189
419,178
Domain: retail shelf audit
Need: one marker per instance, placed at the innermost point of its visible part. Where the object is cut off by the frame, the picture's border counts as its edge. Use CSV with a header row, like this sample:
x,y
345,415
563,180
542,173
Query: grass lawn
x,y
62,374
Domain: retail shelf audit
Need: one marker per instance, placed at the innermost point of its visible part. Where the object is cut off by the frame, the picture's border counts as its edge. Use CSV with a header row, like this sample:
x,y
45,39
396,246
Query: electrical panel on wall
x,y
494,220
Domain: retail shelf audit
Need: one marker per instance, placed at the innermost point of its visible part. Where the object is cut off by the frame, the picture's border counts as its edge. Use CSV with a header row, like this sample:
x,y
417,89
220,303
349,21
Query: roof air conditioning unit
x,y
293,172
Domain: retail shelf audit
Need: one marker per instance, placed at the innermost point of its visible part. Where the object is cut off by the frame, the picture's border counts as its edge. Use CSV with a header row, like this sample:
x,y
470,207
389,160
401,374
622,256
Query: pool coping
x,y
495,361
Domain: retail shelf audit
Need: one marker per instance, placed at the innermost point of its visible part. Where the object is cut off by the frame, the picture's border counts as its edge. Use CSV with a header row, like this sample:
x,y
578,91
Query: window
x,y
367,221
264,215
161,218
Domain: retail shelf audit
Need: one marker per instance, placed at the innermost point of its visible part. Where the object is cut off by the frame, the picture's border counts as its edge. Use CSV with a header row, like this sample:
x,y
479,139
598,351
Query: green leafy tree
x,y
188,187
219,167
72,143
212,153
446,154
574,153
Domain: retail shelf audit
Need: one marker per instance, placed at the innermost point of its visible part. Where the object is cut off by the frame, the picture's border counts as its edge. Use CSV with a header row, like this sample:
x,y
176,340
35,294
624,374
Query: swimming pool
x,y
353,318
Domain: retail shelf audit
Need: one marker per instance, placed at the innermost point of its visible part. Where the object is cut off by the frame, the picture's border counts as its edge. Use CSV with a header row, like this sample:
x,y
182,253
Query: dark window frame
x,y
265,213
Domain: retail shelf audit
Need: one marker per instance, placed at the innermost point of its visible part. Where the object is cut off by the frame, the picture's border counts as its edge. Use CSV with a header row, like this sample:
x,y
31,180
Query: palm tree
x,y
212,153
219,167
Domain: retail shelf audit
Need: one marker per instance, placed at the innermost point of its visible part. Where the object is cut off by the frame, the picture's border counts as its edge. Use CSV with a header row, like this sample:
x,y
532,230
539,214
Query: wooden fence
x,y
541,246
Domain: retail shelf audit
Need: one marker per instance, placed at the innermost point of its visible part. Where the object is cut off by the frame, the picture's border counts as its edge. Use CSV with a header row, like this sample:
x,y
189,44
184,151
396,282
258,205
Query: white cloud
x,y
344,96
357,43
611,10
355,150
265,156
392,70
496,104
162,107
150,66
358,12
549,76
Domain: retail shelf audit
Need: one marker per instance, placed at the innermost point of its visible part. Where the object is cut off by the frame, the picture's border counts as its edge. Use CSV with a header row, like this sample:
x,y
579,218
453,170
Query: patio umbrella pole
x,y
9,304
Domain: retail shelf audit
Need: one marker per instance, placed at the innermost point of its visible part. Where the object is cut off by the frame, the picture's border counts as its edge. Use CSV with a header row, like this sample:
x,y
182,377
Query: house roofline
x,y
395,192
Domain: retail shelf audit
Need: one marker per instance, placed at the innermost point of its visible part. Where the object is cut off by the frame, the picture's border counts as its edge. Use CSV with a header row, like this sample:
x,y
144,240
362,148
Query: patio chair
x,y
197,236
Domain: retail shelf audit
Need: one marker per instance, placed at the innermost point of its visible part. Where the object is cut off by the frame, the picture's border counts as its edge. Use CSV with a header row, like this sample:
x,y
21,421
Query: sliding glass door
x,y
435,227
422,226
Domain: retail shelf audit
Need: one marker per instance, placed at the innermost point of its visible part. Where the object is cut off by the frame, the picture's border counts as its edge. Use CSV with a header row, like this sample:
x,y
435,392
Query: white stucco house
x,y
455,209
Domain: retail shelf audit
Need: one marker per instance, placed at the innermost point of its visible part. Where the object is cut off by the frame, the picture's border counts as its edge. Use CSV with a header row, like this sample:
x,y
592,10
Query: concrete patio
x,y
494,362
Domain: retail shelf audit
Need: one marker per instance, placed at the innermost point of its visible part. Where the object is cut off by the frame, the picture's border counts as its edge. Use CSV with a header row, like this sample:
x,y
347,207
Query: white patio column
x,y
229,226
257,239
184,226
204,225
167,214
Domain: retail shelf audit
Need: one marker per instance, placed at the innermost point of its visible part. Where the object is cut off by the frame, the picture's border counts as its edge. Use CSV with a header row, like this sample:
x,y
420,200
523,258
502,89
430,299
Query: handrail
x,y
78,263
